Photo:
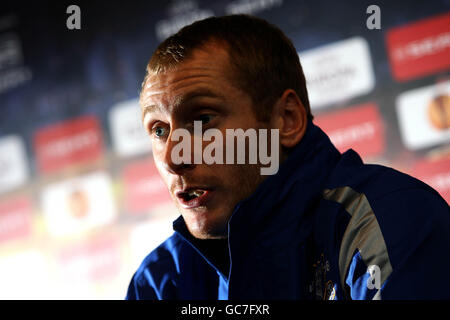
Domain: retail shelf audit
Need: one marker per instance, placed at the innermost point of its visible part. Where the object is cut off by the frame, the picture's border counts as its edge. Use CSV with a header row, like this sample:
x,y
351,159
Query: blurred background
x,y
81,203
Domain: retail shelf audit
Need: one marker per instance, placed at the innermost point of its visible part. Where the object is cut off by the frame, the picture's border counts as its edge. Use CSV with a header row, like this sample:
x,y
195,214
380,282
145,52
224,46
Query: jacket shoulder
x,y
371,179
396,222
156,276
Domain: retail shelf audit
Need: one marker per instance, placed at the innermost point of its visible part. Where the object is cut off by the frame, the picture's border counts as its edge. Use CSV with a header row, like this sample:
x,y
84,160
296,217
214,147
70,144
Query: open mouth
x,y
193,198
188,196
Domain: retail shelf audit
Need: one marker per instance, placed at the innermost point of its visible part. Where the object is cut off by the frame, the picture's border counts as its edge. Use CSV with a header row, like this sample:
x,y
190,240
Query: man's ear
x,y
289,117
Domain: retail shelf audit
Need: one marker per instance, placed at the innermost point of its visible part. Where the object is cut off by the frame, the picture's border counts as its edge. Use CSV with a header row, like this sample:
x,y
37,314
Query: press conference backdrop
x,y
81,203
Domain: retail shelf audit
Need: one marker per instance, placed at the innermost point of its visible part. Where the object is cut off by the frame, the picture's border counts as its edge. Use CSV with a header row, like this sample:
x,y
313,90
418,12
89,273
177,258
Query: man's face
x,y
200,89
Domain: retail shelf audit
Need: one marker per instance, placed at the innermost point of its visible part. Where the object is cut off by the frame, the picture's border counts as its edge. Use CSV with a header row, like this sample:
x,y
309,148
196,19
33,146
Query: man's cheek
x,y
163,174
158,164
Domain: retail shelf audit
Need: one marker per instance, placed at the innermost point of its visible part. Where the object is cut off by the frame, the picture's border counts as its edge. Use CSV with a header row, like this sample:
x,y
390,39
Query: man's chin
x,y
206,236
202,225
209,232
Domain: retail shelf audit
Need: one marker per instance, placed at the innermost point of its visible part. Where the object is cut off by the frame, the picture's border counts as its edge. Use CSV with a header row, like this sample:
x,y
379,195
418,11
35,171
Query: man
x,y
324,226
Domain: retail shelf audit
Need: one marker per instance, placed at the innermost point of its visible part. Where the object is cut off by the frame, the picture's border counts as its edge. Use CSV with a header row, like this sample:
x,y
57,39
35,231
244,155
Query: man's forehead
x,y
178,87
168,98
160,81
201,69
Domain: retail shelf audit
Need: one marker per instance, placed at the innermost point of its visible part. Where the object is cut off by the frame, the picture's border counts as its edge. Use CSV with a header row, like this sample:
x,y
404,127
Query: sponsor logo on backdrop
x,y
419,48
181,13
78,204
338,71
13,72
128,134
436,174
68,143
15,218
439,111
13,163
360,128
424,116
96,260
144,188
251,6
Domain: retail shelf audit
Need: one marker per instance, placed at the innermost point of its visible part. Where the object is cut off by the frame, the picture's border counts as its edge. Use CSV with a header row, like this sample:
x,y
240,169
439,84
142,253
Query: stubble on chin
x,y
246,179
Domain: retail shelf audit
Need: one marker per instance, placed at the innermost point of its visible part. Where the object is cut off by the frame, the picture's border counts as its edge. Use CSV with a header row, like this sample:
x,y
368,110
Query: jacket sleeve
x,y
411,259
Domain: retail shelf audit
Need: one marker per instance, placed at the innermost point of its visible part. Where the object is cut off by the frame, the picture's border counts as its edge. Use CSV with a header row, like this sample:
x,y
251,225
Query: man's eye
x,y
205,118
159,131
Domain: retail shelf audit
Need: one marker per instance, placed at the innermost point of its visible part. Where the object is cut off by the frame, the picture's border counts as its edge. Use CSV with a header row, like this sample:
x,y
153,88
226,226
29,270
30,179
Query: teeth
x,y
195,193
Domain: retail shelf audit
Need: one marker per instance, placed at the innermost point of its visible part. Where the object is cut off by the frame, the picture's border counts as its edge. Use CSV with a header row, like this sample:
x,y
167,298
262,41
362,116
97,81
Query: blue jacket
x,y
326,226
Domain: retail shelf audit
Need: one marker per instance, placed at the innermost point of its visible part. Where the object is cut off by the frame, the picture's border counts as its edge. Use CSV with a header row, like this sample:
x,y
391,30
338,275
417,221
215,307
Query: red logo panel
x,y
359,128
144,187
420,48
67,143
15,218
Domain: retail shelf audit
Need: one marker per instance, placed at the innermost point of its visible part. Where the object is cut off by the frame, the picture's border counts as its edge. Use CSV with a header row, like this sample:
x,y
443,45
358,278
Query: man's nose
x,y
172,163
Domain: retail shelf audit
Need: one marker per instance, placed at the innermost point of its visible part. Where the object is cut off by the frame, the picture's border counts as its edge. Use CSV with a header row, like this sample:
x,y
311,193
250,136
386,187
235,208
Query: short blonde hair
x,y
264,61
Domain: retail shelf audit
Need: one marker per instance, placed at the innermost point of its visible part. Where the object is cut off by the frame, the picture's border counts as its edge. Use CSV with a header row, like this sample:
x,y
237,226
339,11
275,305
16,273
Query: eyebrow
x,y
202,92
